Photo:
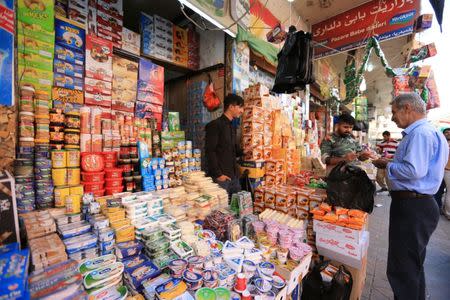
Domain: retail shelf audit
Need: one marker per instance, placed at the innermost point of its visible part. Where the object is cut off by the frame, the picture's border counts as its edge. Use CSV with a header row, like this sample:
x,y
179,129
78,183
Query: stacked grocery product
x,y
77,10
180,46
93,175
124,85
98,72
43,177
150,94
109,19
193,40
69,62
14,271
131,41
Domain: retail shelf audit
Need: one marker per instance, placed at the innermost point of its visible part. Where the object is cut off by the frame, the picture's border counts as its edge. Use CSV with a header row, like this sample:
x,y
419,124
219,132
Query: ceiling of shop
x,y
379,86
314,11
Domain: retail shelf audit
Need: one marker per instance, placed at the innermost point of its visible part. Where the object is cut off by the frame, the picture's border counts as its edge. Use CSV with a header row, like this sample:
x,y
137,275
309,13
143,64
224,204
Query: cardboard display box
x,y
295,276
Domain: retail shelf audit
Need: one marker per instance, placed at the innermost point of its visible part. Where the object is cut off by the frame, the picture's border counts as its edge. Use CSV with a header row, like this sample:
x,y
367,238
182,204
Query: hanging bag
x,y
210,99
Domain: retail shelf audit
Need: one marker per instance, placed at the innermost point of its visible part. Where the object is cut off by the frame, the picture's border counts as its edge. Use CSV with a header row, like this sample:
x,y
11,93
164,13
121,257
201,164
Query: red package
x,y
92,162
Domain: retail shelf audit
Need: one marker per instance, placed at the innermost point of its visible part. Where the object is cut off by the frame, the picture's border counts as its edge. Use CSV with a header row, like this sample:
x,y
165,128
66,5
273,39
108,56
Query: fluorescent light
x,y
206,17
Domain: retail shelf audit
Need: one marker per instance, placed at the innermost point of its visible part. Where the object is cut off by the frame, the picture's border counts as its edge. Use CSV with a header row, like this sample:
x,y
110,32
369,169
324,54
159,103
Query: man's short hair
x,y
232,99
387,133
346,119
417,104
446,129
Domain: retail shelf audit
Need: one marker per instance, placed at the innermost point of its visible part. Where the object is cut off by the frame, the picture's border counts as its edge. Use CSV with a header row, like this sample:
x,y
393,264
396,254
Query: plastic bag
x,y
348,186
210,99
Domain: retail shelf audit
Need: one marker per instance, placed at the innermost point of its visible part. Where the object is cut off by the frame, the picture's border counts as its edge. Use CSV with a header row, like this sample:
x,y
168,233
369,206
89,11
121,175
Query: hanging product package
x,y
295,63
349,186
210,98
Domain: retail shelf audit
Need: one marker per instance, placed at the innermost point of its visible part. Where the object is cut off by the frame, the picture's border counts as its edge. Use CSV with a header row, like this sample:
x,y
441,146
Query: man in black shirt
x,y
222,147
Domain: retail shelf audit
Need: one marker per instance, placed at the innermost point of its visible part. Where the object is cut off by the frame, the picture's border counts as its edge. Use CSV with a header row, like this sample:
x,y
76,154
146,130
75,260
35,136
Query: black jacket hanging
x,y
295,68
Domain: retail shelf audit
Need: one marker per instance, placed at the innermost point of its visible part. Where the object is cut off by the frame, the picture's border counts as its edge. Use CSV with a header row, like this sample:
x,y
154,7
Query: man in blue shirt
x,y
415,175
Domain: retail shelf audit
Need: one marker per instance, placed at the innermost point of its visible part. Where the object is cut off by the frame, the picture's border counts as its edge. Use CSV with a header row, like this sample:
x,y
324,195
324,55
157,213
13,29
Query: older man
x,y
414,177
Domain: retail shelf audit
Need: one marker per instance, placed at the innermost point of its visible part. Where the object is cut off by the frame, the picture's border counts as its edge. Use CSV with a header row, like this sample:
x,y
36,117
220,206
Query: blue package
x,y
79,243
7,53
157,173
68,55
14,274
143,272
161,162
68,69
9,247
143,150
127,249
134,262
69,35
154,163
68,82
107,245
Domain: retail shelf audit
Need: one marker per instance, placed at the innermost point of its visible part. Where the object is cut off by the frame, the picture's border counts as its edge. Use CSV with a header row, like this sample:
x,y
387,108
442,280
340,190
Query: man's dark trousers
x,y
412,220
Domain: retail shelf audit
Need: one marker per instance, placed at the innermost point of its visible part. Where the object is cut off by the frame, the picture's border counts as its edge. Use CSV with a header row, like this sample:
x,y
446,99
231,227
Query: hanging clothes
x,y
295,68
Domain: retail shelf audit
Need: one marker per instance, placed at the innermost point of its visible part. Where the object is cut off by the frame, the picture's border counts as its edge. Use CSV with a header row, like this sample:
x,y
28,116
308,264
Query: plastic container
x,y
92,162
73,159
73,176
113,190
110,156
113,173
90,187
92,176
110,164
113,182
59,177
59,159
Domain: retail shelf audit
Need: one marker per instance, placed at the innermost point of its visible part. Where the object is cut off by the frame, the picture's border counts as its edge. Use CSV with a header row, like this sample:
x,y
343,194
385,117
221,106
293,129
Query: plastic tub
x,y
113,190
110,156
92,162
90,187
110,164
114,182
113,173
92,176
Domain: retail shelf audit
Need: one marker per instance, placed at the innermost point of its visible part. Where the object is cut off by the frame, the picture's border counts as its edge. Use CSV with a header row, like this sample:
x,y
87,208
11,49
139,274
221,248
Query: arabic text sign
x,y
349,30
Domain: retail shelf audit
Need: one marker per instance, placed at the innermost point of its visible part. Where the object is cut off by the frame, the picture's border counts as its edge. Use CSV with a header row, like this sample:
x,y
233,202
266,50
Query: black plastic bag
x,y
340,289
349,186
246,185
314,288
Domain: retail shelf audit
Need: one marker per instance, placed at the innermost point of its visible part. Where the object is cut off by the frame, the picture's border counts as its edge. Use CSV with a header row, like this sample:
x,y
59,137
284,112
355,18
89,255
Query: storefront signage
x,y
6,52
349,30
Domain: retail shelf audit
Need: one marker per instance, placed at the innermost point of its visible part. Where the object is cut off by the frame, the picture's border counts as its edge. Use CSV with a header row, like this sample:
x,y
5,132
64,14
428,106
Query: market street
x,y
437,263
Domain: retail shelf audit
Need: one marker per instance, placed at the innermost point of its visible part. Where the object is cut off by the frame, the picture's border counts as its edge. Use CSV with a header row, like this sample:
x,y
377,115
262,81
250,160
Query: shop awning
x,y
264,48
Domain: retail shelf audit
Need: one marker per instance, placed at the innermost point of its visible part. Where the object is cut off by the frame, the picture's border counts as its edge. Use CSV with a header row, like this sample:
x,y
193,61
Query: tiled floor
x,y
437,263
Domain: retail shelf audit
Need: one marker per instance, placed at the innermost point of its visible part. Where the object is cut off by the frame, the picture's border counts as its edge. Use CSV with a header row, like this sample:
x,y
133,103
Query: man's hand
x,y
351,156
366,155
380,163
223,178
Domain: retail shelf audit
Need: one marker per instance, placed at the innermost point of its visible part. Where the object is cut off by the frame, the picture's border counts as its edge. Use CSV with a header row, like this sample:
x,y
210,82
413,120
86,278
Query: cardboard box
x,y
121,105
124,95
68,82
111,7
344,233
78,11
14,275
69,34
97,99
67,68
151,78
68,55
98,58
349,253
41,13
35,61
35,76
105,19
67,96
145,110
114,33
295,276
131,41
36,32
94,86
29,45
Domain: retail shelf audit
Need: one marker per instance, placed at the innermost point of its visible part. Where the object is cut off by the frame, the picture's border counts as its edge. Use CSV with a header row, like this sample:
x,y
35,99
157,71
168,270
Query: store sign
x,y
349,30
7,52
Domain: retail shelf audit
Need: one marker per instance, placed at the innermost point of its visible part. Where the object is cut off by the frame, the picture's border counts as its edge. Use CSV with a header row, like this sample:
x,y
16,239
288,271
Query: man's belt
x,y
408,195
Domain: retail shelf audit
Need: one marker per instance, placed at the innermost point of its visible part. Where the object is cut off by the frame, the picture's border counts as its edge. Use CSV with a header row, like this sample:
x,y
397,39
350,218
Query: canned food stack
x,y
129,162
57,128
72,131
93,174
25,194
43,177
42,118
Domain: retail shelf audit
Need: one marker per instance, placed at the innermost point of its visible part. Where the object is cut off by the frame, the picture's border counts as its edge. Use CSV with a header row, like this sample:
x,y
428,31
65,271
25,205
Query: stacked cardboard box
x,y
124,85
180,46
150,94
